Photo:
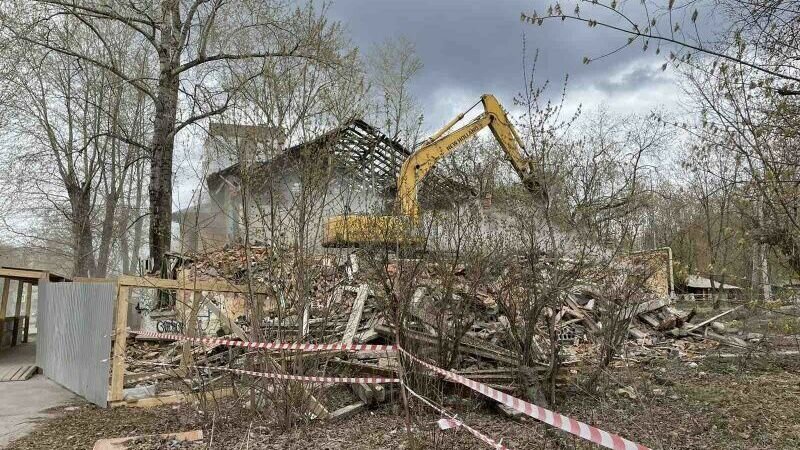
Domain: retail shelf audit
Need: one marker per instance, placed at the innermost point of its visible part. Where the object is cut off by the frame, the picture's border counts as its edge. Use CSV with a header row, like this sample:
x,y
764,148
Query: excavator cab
x,y
401,229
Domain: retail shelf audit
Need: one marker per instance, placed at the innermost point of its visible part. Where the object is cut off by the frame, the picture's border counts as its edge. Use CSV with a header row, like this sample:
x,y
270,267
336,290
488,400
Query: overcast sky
x,y
469,48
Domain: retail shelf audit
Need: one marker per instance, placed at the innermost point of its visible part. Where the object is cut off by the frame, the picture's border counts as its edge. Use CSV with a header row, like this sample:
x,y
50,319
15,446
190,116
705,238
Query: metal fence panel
x,y
73,345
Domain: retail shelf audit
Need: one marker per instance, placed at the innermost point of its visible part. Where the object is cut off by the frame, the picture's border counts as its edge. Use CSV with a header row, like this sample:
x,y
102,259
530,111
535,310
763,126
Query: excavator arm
x,y
440,145
371,230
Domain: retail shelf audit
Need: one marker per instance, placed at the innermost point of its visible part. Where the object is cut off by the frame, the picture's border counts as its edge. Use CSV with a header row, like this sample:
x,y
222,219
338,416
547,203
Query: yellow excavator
x,y
400,229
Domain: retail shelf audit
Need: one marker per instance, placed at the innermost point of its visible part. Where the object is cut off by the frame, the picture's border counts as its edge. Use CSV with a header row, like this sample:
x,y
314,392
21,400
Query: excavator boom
x,y
370,230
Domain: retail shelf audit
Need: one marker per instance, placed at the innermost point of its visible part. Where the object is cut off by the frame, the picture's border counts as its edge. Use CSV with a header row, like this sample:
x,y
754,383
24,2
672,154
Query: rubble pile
x,y
347,307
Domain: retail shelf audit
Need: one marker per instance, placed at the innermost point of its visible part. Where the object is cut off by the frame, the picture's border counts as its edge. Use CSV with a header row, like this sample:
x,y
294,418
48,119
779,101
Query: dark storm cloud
x,y
472,47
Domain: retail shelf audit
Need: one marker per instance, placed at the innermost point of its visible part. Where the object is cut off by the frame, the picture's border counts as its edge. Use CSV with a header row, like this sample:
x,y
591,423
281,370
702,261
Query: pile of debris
x,y
346,307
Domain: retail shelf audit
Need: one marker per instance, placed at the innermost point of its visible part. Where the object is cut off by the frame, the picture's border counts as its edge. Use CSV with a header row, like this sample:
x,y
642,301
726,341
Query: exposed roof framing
x,y
364,153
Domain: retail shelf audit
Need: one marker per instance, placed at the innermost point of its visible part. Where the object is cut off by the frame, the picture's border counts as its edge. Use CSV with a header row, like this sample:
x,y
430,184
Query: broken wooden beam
x,y
472,349
707,321
121,443
348,411
370,394
355,314
576,310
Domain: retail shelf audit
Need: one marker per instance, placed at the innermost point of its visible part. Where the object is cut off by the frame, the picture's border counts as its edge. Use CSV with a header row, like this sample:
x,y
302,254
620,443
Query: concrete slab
x,y
18,355
22,403
18,359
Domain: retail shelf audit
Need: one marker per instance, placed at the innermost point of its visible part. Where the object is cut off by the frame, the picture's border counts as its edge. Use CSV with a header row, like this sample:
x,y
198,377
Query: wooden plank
x,y
29,372
506,358
174,397
93,280
120,443
652,321
637,333
120,338
348,411
6,372
8,375
185,284
225,319
28,302
28,275
3,306
18,376
355,314
707,321
17,307
148,376
12,372
191,328
20,370
369,394
646,307
359,367
4,299
577,311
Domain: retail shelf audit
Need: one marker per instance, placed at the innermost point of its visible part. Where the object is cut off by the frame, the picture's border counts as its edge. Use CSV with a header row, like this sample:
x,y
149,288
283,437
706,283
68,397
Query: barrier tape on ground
x,y
446,423
283,376
572,426
268,345
450,421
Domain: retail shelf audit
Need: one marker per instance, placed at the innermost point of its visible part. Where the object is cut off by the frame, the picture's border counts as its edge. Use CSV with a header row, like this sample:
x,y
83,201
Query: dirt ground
x,y
736,403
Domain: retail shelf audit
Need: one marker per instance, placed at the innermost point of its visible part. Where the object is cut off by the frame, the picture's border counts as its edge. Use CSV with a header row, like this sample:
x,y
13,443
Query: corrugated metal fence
x,y
73,346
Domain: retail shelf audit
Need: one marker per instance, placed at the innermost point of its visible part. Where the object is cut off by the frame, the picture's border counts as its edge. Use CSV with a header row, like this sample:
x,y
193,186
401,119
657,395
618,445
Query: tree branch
x,y
637,33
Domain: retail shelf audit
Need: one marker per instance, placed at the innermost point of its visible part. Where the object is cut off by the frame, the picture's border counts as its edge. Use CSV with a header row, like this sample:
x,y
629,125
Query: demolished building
x,y
351,169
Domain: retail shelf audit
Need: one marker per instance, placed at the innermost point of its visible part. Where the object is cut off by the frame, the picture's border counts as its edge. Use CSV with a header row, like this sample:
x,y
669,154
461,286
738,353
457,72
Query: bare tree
x,y
713,178
191,42
74,121
740,114
393,65
759,35
593,171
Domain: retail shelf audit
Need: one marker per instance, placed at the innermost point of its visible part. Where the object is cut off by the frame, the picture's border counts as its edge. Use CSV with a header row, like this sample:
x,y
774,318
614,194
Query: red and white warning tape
x,y
283,376
268,345
572,426
450,421
445,423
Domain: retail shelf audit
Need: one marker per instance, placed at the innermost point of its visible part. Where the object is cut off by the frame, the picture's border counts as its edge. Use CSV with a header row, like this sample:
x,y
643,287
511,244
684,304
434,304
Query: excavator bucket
x,y
370,231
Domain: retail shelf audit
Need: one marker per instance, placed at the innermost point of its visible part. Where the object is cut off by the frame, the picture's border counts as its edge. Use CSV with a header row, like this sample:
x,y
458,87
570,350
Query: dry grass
x,y
721,403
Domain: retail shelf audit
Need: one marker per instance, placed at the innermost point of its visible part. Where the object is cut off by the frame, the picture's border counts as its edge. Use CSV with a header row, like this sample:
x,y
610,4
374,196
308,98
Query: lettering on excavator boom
x,y
475,128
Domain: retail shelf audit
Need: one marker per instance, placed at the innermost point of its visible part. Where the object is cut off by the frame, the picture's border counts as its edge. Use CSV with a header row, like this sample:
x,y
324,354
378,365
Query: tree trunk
x,y
107,234
138,227
760,263
766,291
160,190
754,270
124,247
83,264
